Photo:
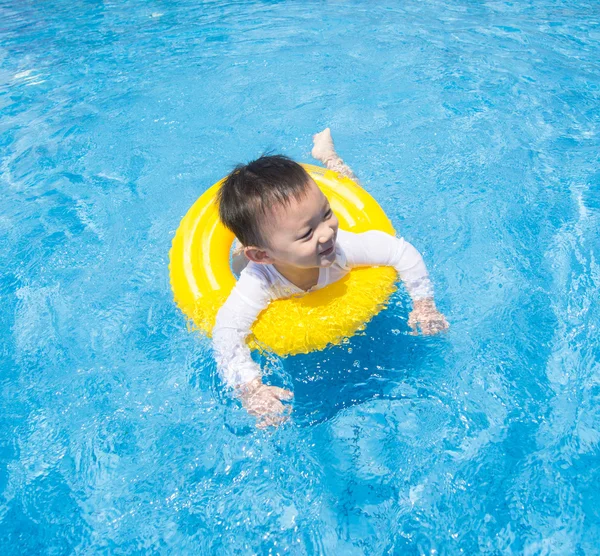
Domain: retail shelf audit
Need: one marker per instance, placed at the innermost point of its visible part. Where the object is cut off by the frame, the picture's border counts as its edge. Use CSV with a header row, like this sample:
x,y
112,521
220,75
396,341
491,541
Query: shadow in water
x,y
369,365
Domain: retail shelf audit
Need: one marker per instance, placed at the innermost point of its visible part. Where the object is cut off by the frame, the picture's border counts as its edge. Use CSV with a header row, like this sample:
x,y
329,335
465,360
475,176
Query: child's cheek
x,y
310,250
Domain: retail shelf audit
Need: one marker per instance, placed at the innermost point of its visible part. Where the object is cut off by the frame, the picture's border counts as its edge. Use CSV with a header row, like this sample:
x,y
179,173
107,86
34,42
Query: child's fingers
x,y
282,393
271,421
433,327
264,406
272,407
430,328
267,422
442,324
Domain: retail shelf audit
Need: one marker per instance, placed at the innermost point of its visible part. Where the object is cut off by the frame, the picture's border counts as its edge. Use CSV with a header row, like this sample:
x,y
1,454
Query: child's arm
x,y
380,249
377,248
234,361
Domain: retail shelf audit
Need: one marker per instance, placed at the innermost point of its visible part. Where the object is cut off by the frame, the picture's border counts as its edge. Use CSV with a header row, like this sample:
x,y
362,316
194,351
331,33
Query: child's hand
x,y
426,316
265,402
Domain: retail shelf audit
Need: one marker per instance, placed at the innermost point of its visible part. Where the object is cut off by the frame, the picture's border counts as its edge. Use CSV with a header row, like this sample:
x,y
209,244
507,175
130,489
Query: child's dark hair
x,y
252,190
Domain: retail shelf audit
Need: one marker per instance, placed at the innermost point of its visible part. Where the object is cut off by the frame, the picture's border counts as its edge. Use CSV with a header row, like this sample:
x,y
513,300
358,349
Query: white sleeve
x,y
233,324
375,248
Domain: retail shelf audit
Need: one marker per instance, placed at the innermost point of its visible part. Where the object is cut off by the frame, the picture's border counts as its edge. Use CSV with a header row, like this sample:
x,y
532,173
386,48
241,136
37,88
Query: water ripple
x,y
476,127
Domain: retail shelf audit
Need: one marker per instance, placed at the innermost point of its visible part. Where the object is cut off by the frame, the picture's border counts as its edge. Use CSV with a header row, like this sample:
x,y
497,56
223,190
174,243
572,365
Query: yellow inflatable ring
x,y
201,276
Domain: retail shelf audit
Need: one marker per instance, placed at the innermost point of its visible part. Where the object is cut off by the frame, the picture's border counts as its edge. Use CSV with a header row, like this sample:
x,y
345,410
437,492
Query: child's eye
x,y
307,235
328,214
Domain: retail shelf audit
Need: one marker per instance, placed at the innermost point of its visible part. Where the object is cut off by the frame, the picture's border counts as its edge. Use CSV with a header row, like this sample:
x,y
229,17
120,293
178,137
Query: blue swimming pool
x,y
474,124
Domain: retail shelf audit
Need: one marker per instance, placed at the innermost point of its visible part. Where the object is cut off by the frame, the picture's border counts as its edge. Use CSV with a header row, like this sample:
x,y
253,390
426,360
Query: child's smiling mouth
x,y
327,251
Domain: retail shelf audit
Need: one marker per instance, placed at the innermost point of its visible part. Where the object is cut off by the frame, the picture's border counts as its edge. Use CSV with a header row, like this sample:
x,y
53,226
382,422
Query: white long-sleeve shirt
x,y
259,284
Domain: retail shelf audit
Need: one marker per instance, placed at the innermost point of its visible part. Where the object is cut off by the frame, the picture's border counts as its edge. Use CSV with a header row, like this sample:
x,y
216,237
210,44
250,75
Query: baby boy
x,y
290,236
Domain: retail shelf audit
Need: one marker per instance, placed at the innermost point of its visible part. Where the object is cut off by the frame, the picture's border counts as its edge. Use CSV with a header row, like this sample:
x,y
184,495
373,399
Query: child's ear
x,y
257,255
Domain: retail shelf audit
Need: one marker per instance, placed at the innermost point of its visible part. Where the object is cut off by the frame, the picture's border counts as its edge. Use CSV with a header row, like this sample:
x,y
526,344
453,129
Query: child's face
x,y
303,233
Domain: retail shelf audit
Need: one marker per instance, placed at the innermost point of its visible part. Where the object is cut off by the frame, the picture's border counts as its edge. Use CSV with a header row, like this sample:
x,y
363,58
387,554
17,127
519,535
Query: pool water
x,y
474,124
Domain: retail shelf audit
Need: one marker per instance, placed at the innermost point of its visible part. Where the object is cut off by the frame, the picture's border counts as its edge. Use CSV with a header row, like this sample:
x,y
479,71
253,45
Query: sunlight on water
x,y
474,124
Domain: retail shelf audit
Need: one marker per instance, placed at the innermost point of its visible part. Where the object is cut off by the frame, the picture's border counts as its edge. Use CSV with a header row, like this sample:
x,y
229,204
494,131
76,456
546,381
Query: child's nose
x,y
326,235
